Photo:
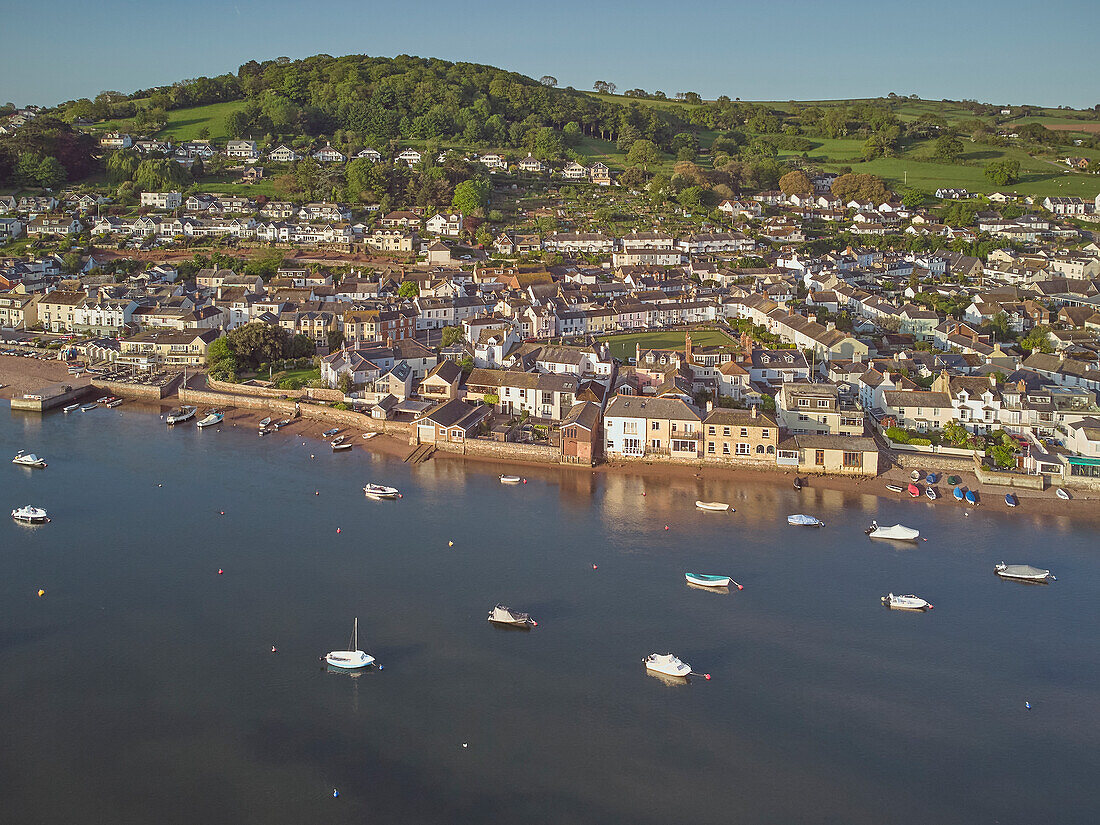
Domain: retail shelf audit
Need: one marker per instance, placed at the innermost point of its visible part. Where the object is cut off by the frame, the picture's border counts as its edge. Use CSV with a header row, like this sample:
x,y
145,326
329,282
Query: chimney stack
x,y
687,347
755,412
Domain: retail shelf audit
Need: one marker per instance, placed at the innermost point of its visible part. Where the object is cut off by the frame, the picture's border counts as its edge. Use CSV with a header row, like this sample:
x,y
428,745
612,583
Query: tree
x,y
1003,455
914,198
1003,172
860,187
257,342
50,173
450,336
998,325
796,183
604,87
470,195
643,153
408,290
300,346
1037,339
219,348
947,148
548,80
335,339
236,124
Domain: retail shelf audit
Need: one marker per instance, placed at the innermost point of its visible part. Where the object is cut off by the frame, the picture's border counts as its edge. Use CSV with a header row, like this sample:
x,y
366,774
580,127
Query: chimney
x,y
687,347
637,353
754,412
710,406
389,342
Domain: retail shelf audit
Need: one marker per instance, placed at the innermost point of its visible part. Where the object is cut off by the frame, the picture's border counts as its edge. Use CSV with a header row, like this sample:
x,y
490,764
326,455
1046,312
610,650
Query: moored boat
x,y
87,407
514,618
352,659
115,402
1011,500
931,493
107,400
509,479
717,506
667,664
212,418
914,490
895,488
1023,572
180,414
264,422
369,436
330,433
909,602
897,532
705,580
103,399
801,520
340,439
28,460
380,491
278,425
797,483
340,446
30,515
71,408
1062,494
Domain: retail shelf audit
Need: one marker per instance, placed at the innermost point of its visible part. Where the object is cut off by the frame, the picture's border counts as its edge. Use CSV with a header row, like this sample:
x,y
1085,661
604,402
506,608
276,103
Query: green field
x,y
185,124
623,346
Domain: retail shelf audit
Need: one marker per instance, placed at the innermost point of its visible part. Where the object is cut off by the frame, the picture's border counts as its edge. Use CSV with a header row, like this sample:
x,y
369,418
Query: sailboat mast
x,y
355,635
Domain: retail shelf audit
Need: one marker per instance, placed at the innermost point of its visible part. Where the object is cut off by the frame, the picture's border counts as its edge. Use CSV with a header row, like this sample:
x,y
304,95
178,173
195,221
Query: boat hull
x,y
905,603
661,664
505,479
348,659
715,506
703,580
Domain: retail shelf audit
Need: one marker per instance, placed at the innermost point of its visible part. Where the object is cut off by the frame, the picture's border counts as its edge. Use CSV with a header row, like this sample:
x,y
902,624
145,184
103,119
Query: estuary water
x,y
142,688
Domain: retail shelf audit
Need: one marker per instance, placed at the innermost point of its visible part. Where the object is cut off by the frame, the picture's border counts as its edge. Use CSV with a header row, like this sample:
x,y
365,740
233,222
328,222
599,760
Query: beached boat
x,y
87,407
28,460
717,506
895,488
340,439
958,494
380,491
931,493
705,580
278,425
30,515
954,480
508,479
71,408
108,400
1011,500
1062,494
181,414
369,436
801,520
103,399
340,446
915,475
914,490
898,532
352,659
505,615
330,433
212,418
117,402
666,664
264,422
909,602
1023,572
931,478
971,497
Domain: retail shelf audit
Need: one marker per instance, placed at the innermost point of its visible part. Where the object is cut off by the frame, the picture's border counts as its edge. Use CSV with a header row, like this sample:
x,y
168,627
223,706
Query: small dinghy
x,y
705,580
278,425
103,399
895,488
71,408
264,422
30,515
349,659
915,475
955,480
801,520
340,446
1011,500
508,479
898,532
28,460
380,491
931,478
958,494
909,602
117,402
180,414
1023,573
212,418
931,493
1062,494
513,618
914,490
330,433
87,407
667,665
971,497
716,506
369,436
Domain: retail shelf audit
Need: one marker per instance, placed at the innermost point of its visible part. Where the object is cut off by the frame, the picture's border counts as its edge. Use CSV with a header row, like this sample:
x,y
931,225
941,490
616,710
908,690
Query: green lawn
x,y
184,124
623,346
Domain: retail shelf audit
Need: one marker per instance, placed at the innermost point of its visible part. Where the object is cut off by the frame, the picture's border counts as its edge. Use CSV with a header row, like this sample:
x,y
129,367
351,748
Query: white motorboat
x,y
717,506
87,407
71,408
706,580
898,532
265,421
180,414
801,520
350,659
28,460
909,602
1062,494
380,491
30,515
104,399
114,402
666,664
1023,573
507,479
212,418
505,615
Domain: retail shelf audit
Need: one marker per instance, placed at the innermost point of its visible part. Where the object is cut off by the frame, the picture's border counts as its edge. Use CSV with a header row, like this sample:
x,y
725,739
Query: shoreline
x,y
30,374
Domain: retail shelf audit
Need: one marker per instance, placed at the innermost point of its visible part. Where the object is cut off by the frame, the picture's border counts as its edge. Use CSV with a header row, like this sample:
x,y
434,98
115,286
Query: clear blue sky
x,y
1008,51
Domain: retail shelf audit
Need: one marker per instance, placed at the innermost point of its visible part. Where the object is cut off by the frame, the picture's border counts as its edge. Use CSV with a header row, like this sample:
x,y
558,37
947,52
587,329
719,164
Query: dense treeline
x,y
45,152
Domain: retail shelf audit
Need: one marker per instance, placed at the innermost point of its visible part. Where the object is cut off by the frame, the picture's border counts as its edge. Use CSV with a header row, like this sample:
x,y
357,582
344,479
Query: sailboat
x,y
350,659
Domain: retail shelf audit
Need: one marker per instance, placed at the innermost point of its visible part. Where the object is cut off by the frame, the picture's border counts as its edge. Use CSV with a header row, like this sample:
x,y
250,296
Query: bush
x,y
897,435
340,405
920,442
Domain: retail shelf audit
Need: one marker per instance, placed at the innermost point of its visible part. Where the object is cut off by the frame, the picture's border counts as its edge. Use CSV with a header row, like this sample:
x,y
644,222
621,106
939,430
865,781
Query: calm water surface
x,y
141,688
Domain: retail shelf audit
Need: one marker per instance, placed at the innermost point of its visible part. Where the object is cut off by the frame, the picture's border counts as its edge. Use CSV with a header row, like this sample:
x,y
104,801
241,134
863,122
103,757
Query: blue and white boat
x,y
972,498
801,520
214,417
705,580
1011,500
958,494
931,478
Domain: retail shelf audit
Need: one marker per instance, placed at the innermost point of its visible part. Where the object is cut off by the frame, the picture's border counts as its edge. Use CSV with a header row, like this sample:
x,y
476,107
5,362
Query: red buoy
x,y
594,567
220,571
337,529
706,676
666,526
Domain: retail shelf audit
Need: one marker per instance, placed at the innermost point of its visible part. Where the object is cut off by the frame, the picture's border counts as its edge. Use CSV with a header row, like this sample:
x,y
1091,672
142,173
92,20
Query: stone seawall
x,y
1013,480
143,392
503,451
272,392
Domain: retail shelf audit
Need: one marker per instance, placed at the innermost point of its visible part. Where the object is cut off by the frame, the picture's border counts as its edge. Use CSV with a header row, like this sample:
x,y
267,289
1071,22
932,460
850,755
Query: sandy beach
x,y
20,375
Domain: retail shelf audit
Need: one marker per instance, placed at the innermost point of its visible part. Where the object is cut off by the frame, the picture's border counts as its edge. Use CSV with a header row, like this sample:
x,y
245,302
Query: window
x,y
710,430
655,425
630,428
630,445
744,432
710,447
725,431
765,434
803,402
771,450
742,448
725,448
683,446
852,459
802,417
823,403
760,449
819,458
655,444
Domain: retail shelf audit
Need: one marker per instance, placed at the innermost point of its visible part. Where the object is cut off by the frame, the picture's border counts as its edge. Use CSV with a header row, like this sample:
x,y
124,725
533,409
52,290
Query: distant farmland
x,y
1074,127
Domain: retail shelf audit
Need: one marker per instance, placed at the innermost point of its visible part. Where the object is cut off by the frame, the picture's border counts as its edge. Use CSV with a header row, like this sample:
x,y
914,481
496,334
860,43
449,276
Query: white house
x,y
410,157
450,224
329,155
162,200
284,154
245,149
